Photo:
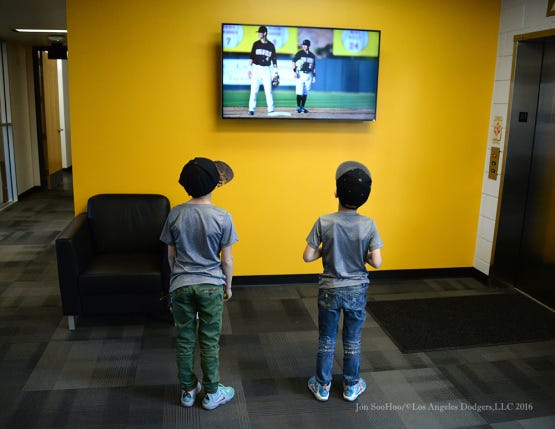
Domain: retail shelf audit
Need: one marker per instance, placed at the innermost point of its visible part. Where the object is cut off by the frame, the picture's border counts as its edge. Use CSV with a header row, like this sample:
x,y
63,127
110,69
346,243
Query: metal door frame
x,y
6,126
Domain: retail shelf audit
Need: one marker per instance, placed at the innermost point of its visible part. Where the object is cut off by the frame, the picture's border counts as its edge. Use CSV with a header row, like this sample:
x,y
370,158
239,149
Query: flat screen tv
x,y
324,73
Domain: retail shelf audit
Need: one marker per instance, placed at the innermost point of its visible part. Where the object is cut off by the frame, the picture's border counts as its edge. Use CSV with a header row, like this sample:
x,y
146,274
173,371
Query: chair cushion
x,y
117,273
127,222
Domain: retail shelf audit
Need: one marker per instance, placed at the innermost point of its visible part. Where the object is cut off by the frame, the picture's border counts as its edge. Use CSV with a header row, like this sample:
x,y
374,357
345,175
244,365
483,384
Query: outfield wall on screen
x,y
332,74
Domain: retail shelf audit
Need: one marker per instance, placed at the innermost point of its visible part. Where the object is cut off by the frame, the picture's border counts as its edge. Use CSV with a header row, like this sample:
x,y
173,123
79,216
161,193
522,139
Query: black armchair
x,y
111,259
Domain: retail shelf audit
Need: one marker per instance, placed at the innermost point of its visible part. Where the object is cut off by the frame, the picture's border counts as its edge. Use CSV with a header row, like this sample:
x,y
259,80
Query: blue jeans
x,y
352,300
206,300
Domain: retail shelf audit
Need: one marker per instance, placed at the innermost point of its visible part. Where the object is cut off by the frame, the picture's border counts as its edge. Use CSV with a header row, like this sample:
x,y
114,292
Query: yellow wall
x,y
144,99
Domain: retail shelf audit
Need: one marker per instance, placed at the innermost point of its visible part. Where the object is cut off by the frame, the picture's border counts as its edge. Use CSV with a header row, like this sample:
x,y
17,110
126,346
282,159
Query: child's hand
x,y
227,294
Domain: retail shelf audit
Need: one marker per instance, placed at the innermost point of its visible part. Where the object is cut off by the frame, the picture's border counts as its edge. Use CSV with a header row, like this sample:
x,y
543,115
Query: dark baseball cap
x,y
306,42
200,176
353,182
262,29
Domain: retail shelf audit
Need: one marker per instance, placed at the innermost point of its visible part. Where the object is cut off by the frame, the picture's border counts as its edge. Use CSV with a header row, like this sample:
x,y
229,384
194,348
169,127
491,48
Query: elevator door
x,y
537,254
524,253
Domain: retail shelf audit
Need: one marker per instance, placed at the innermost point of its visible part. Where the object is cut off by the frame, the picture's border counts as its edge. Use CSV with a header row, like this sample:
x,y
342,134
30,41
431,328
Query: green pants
x,y
207,301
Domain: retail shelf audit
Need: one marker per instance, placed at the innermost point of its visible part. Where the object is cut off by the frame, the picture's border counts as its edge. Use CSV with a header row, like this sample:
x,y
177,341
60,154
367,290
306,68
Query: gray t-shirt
x,y
346,237
199,232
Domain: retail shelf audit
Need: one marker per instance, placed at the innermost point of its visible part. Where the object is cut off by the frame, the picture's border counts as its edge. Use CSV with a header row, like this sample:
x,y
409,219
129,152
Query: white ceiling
x,y
31,14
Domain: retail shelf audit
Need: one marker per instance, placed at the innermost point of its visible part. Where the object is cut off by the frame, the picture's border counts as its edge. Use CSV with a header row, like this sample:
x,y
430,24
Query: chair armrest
x,y
74,251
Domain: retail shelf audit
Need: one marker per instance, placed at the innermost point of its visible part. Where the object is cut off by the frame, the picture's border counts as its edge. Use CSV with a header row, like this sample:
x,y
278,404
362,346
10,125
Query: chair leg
x,y
71,323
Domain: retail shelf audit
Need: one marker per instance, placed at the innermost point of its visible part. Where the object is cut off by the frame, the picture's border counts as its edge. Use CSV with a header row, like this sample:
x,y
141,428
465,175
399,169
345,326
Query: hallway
x,y
121,373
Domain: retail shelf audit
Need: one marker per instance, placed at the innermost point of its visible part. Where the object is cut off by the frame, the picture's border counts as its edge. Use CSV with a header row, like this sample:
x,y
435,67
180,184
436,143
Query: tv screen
x,y
322,73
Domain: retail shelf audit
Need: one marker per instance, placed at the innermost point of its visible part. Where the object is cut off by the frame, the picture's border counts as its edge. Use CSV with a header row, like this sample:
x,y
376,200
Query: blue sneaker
x,y
221,396
188,396
350,393
320,391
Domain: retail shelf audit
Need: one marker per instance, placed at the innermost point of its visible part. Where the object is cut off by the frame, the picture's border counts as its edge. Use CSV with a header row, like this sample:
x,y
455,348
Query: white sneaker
x,y
221,396
188,396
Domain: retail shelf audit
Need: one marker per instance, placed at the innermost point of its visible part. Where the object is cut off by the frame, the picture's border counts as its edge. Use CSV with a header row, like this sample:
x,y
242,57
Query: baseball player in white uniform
x,y
262,58
304,67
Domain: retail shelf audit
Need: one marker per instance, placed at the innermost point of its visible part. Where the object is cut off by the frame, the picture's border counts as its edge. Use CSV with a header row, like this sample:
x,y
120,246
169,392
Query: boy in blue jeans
x,y
345,241
199,236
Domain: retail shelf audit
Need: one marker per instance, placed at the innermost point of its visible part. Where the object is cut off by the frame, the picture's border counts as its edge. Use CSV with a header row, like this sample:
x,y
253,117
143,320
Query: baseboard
x,y
430,273
374,275
29,191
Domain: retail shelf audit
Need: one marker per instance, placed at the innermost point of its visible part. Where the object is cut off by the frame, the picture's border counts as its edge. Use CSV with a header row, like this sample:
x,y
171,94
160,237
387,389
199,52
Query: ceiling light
x,y
38,30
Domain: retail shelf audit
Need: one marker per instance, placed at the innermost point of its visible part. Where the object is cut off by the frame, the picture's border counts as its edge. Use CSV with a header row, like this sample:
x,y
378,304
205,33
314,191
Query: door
x,y
52,129
524,254
537,273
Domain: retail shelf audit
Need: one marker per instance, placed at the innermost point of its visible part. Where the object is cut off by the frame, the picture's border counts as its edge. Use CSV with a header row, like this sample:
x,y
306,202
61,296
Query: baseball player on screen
x,y
304,67
262,57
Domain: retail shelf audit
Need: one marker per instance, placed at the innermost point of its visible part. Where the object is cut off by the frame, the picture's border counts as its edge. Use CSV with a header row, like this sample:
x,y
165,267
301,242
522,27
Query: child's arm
x,y
311,254
227,267
374,258
171,255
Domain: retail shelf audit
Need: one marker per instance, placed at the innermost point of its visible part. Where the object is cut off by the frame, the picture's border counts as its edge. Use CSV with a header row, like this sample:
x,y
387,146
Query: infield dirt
x,y
291,113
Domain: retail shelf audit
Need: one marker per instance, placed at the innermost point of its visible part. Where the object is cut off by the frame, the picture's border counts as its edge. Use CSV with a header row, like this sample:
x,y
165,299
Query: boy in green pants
x,y
199,236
